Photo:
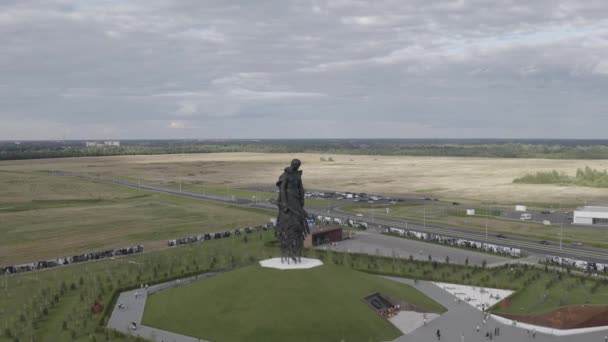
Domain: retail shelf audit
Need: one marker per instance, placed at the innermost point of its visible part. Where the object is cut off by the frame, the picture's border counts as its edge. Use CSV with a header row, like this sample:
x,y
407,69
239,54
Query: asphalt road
x,y
525,244
528,245
385,245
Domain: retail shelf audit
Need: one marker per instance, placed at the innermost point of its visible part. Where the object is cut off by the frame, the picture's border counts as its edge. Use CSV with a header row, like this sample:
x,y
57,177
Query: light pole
x,y
424,220
373,212
561,226
487,213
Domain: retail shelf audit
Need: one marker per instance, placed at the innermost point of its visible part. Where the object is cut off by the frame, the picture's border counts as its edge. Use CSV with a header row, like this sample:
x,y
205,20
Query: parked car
x,y
545,212
359,215
577,243
543,242
502,236
455,203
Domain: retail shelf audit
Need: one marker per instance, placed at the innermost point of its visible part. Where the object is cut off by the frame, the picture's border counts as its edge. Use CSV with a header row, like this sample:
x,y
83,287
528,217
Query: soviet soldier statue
x,y
292,225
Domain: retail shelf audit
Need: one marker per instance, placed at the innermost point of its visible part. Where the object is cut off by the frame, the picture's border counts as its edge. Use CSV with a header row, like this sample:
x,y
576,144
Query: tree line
x,y
557,150
584,177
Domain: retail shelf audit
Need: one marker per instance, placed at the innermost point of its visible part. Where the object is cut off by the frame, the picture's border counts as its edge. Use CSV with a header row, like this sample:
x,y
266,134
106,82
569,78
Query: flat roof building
x,y
591,215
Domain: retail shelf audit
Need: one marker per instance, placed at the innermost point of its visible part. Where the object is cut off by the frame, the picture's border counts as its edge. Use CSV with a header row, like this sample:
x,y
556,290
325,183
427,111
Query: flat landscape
x,y
46,216
474,179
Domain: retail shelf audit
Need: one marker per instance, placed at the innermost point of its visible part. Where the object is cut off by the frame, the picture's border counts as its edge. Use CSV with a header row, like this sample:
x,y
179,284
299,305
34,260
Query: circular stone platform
x,y
305,264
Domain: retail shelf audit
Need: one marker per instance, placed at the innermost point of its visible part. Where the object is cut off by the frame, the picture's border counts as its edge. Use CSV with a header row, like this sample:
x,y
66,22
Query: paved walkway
x,y
134,302
460,321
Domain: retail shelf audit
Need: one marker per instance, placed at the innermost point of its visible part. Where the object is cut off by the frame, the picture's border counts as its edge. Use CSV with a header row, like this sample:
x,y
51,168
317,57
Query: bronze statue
x,y
292,225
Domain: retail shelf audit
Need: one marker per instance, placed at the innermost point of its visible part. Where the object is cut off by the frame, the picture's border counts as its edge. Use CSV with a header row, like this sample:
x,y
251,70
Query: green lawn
x,y
260,304
56,216
538,291
24,297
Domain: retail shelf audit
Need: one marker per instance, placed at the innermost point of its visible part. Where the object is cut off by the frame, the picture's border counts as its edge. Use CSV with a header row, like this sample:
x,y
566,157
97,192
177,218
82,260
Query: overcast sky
x,y
304,69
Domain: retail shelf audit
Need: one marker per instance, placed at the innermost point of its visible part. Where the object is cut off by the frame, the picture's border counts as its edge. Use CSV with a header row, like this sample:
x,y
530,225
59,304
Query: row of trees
x,y
584,177
552,150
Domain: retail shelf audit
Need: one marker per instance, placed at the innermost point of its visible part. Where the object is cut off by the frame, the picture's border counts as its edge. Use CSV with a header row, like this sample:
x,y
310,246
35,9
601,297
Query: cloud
x,y
339,68
208,34
177,124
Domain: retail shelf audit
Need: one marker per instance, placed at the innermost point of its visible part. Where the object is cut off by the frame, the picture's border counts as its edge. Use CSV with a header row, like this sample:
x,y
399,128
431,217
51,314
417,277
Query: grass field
x,y
34,306
49,216
537,291
447,214
321,304
444,177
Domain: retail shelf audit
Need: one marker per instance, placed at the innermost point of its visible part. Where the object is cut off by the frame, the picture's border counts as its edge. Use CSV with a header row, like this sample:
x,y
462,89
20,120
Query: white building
x,y
105,143
591,215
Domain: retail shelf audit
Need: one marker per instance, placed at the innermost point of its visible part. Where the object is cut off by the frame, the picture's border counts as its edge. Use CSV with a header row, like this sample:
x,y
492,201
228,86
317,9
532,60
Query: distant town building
x,y
106,143
591,215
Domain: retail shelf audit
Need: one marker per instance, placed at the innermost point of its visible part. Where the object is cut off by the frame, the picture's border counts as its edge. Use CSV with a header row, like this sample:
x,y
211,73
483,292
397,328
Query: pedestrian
x,y
424,321
534,333
498,331
438,335
605,338
477,328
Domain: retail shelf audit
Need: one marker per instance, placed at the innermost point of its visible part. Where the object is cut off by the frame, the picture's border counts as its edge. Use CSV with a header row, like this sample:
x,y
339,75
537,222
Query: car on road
x,y
502,236
577,243
545,212
359,215
543,242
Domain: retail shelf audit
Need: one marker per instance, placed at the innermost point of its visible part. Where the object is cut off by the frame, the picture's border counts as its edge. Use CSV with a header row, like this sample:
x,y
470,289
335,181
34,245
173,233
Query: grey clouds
x,y
274,69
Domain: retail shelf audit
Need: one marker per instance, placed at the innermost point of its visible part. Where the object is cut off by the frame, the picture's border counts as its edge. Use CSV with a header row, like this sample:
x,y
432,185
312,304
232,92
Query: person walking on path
x,y
477,328
438,335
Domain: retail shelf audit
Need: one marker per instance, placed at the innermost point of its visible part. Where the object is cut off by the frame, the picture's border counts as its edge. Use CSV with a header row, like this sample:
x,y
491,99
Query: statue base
x,y
305,263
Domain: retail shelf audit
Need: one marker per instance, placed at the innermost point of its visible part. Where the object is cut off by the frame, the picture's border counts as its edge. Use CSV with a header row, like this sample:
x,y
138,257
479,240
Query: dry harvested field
x,y
444,177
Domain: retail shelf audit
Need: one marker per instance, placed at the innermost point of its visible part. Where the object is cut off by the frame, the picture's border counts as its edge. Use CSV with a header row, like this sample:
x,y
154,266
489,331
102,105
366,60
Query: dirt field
x,y
444,177
570,317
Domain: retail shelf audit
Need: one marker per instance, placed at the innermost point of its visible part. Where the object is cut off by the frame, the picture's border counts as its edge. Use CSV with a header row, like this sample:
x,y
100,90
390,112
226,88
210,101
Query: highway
x,y
530,246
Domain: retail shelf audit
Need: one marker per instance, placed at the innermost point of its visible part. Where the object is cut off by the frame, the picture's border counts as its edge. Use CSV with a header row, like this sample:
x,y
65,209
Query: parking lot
x,y
378,244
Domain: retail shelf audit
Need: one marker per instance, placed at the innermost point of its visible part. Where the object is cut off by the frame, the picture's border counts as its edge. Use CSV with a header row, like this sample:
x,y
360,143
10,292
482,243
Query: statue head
x,y
295,164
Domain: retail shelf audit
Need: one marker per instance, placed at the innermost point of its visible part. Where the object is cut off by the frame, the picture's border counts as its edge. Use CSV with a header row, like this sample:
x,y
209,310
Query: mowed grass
x,y
539,298
35,305
50,216
260,304
538,290
446,214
